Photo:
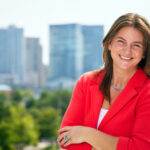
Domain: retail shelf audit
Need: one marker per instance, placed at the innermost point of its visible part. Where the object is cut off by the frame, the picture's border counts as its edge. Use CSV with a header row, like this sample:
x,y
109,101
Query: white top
x,y
101,116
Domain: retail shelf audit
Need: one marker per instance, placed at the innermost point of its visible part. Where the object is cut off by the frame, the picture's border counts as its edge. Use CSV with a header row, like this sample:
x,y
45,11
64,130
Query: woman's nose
x,y
128,48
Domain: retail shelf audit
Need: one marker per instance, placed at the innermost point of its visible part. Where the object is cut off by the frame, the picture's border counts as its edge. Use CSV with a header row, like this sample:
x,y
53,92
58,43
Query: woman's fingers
x,y
71,135
65,129
68,143
64,133
63,139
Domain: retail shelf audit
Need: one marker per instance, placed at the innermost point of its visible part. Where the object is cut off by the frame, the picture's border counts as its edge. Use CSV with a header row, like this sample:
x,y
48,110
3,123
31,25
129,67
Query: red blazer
x,y
128,118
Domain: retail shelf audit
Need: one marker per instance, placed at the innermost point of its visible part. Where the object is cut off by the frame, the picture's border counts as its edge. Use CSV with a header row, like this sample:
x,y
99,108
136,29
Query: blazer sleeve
x,y
140,137
75,113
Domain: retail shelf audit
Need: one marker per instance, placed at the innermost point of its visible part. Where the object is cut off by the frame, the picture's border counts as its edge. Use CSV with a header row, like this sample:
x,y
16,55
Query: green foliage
x,y
4,96
4,110
24,96
17,95
30,103
24,120
18,129
46,94
5,102
61,100
58,99
6,136
23,126
48,123
45,100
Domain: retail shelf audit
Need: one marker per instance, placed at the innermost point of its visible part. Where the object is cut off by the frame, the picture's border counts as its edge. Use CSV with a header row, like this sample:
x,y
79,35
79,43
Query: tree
x,y
22,96
18,129
48,123
45,99
61,99
4,111
30,103
58,99
5,102
17,95
5,136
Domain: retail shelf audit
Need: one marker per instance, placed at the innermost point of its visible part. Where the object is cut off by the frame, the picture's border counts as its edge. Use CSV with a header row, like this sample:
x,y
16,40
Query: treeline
x,y
25,120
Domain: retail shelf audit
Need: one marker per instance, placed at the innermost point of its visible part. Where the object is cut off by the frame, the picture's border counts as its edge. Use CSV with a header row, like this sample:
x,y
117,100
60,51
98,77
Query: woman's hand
x,y
72,135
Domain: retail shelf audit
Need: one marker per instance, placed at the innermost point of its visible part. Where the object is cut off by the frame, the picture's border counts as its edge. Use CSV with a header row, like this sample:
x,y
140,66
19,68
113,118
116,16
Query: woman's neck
x,y
121,77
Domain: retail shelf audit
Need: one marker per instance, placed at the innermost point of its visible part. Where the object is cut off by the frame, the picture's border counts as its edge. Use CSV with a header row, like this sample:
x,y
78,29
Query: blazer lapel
x,y
96,104
125,96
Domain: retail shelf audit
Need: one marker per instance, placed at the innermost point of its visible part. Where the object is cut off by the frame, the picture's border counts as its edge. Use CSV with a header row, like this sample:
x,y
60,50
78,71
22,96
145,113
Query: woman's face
x,y
127,48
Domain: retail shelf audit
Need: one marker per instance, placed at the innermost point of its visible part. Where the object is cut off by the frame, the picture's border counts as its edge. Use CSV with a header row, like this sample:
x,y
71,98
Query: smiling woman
x,y
110,107
127,49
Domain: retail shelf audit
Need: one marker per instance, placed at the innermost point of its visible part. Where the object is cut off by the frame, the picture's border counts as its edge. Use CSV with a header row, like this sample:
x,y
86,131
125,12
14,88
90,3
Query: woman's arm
x,y
101,141
79,134
74,115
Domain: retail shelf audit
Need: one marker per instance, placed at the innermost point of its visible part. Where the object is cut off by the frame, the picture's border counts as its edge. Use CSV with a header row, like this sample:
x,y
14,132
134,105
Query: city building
x,y
92,45
34,68
12,53
74,49
65,51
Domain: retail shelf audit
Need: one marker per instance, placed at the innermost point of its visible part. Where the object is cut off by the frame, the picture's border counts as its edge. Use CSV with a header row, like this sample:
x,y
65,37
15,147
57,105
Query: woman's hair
x,y
136,21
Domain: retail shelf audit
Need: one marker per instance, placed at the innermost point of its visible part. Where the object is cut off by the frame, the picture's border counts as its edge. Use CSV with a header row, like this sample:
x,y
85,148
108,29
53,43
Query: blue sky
x,y
35,15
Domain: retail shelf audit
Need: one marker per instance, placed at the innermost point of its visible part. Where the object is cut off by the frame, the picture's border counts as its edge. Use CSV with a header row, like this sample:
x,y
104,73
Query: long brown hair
x,y
134,20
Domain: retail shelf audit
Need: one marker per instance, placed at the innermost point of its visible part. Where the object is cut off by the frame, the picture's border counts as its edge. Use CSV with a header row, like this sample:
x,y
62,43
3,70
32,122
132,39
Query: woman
x,y
110,108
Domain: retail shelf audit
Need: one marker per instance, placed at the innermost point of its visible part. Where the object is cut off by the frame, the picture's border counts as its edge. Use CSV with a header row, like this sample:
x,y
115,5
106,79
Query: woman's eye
x,y
120,41
137,45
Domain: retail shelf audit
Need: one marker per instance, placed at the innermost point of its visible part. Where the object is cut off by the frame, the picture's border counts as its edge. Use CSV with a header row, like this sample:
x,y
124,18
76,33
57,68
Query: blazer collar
x,y
136,81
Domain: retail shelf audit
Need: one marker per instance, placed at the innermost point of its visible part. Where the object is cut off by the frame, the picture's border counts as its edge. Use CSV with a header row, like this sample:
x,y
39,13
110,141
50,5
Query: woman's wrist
x,y
89,134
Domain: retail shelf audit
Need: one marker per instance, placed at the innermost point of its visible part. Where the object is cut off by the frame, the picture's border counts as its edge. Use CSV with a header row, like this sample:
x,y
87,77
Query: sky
x,y
35,16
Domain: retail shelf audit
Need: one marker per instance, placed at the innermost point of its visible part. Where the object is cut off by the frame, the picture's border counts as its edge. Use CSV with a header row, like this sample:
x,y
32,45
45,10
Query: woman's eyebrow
x,y
119,37
138,42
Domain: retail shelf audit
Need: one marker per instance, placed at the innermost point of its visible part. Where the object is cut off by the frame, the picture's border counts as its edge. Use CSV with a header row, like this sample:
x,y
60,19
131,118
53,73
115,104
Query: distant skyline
x,y
35,16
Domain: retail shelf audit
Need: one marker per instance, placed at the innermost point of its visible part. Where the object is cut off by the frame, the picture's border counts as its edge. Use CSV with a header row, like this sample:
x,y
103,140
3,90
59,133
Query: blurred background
x,y
45,46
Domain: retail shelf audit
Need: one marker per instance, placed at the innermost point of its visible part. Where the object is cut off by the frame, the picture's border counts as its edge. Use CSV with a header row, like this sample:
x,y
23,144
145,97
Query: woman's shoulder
x,y
146,84
92,77
144,90
144,93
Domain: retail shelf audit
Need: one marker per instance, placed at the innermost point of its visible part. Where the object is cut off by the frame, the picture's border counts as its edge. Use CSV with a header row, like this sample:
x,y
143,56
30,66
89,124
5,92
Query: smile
x,y
125,58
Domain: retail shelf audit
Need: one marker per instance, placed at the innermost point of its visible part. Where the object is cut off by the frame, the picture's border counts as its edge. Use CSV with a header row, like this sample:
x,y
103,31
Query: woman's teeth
x,y
126,58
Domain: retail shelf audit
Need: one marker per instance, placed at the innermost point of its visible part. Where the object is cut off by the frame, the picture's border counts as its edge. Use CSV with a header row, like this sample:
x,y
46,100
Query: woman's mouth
x,y
125,58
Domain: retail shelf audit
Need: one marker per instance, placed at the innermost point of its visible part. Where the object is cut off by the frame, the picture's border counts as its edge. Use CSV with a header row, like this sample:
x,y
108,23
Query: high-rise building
x,y
65,51
92,38
4,59
34,69
74,49
11,58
